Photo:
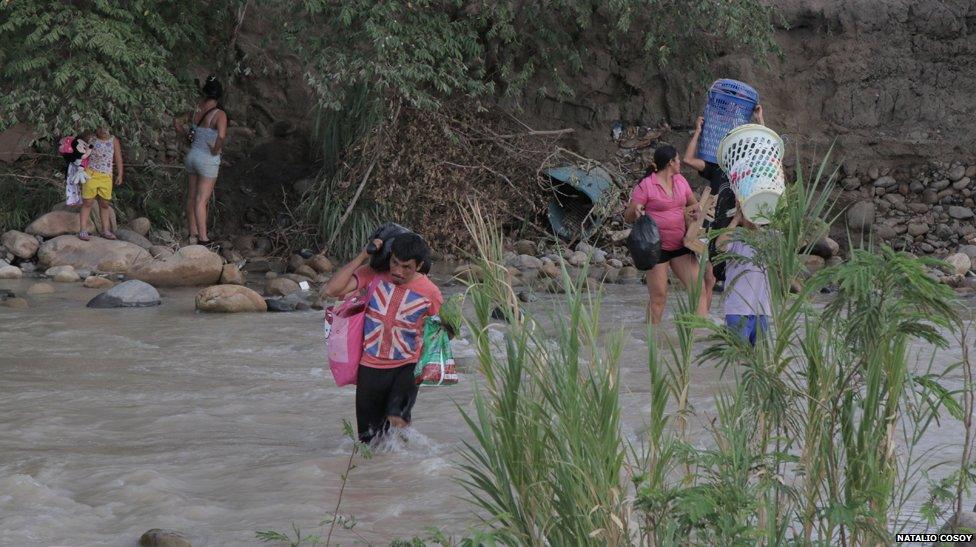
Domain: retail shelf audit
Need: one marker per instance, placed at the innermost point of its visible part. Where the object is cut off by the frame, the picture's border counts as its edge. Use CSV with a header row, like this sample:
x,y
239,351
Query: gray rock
x,y
930,196
882,206
20,244
916,187
895,199
133,237
528,296
280,305
851,183
874,172
885,182
140,225
884,232
584,248
527,262
925,247
917,229
956,172
968,250
919,208
960,213
130,294
11,272
861,215
615,263
940,184
579,258
599,257
961,183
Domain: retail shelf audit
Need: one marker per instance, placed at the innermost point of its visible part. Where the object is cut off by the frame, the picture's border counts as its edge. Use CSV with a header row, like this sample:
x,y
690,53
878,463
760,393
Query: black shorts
x,y
382,392
666,256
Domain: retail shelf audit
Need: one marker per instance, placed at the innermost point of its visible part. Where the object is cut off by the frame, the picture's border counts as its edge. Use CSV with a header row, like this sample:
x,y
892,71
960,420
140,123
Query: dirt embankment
x,y
892,80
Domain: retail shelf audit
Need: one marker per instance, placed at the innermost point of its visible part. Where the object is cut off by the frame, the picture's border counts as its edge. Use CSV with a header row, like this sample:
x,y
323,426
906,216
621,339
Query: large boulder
x,y
63,221
281,286
130,294
133,237
230,299
11,272
960,263
20,244
860,216
99,254
189,266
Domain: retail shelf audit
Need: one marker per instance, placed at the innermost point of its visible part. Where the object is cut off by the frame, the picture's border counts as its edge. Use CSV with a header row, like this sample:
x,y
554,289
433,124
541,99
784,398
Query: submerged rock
x,y
40,288
163,538
130,294
10,272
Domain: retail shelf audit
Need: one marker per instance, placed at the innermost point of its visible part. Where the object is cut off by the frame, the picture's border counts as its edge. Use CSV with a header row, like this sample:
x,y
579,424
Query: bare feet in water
x,y
397,421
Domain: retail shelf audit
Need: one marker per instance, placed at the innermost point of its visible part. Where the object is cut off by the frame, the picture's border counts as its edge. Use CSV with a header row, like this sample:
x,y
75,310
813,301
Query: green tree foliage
x,y
425,50
70,66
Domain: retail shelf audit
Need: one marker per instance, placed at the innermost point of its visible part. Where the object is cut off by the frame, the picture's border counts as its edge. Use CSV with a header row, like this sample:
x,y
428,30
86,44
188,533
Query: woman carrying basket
x,y
666,197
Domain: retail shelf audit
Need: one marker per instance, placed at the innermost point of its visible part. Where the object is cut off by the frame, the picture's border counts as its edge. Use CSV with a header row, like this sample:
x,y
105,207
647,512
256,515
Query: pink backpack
x,y
345,338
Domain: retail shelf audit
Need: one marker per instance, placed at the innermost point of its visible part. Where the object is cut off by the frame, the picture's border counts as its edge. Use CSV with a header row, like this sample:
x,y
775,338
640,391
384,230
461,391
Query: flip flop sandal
x,y
109,235
84,236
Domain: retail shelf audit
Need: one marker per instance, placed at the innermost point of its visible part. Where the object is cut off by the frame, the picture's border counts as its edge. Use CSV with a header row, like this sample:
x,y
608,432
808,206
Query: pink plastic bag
x,y
344,339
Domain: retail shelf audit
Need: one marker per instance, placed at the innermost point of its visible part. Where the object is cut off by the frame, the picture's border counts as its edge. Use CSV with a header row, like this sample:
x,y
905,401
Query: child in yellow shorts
x,y
106,152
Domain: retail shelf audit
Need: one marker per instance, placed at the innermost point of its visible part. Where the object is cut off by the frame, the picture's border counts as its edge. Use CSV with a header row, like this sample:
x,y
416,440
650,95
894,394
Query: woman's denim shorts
x,y
204,164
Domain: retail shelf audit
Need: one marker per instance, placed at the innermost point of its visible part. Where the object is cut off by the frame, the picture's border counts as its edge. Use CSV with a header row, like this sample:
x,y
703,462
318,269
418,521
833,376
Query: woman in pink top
x,y
666,197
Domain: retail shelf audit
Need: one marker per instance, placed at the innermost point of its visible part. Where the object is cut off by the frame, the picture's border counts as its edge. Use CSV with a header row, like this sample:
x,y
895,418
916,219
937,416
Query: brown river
x,y
113,422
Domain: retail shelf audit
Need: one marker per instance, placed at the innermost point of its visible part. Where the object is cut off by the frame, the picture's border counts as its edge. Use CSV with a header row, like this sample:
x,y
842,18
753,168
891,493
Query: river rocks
x,y
40,288
961,184
133,237
884,232
229,299
885,182
956,172
825,248
550,270
578,258
10,272
63,274
628,275
163,538
130,294
295,261
813,263
16,303
321,264
189,266
20,244
306,271
851,183
231,275
280,286
526,247
960,213
917,229
98,254
940,185
918,208
861,215
960,263
528,262
968,250
619,236
61,222
97,282
140,225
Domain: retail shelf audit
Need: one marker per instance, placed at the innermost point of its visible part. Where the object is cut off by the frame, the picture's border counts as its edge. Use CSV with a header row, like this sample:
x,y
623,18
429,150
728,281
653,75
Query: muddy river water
x,y
113,422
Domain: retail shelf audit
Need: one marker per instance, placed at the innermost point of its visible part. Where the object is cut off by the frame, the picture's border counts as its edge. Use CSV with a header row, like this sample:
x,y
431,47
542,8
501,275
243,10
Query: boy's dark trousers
x,y
382,392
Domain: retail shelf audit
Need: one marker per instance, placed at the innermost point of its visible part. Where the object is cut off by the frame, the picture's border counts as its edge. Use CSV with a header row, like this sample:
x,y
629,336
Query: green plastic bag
x,y
436,366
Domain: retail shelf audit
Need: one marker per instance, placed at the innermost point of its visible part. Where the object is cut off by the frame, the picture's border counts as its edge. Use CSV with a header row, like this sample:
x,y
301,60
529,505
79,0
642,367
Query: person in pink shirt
x,y
666,197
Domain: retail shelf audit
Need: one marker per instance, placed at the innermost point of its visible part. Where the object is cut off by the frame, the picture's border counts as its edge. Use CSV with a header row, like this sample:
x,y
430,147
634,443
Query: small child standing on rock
x,y
747,292
106,152
399,303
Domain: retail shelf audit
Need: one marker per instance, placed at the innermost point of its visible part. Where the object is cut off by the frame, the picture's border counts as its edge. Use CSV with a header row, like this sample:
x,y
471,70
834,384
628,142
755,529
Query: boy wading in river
x,y
400,301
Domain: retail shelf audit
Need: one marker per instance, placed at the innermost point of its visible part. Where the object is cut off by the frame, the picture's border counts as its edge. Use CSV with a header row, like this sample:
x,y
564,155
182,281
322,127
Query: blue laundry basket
x,y
730,104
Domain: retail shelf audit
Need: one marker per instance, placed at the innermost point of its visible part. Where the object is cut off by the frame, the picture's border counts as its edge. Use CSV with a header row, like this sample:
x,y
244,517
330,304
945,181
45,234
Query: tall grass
x,y
819,439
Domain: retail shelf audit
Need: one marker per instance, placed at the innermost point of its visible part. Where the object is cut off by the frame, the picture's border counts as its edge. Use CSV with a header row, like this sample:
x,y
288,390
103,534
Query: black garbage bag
x,y
644,243
380,258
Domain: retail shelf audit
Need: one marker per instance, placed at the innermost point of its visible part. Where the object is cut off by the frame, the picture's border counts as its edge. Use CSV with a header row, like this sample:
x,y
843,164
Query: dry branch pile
x,y
428,164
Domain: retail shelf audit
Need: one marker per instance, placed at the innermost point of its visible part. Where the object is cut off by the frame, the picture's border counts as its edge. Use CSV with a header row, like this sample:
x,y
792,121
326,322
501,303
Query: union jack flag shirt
x,y
393,330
